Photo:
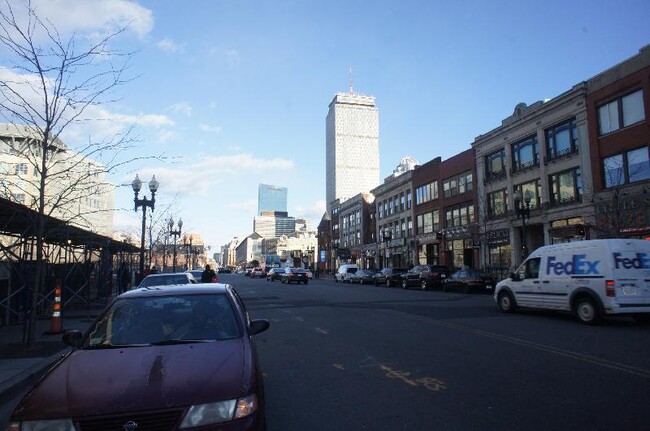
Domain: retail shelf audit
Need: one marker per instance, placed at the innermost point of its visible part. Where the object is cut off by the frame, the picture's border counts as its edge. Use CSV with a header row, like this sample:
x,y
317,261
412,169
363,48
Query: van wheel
x,y
423,285
587,311
405,284
506,302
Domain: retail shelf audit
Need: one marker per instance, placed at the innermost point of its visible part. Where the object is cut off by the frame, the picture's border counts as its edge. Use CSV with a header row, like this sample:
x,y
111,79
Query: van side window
x,y
532,268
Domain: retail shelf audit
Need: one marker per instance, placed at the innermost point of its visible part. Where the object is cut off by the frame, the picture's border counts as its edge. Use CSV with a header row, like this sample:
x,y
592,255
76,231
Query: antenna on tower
x,y
351,86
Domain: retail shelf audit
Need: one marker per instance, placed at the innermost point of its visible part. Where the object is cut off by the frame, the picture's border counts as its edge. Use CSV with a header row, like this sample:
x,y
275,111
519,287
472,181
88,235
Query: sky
x,y
225,95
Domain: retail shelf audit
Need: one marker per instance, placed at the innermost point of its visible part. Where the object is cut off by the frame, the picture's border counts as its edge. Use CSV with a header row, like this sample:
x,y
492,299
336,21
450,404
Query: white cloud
x,y
210,129
169,45
93,15
182,108
232,58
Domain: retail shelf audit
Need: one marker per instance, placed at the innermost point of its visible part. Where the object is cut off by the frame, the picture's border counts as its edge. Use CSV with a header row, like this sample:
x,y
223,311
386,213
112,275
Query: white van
x,y
344,271
591,278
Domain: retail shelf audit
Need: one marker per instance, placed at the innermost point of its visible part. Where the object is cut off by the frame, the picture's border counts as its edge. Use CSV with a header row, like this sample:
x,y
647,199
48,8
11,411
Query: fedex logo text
x,y
641,261
578,265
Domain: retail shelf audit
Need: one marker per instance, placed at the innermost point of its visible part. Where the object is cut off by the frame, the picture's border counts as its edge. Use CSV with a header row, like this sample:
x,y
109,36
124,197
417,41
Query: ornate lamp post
x,y
144,203
175,234
522,209
387,236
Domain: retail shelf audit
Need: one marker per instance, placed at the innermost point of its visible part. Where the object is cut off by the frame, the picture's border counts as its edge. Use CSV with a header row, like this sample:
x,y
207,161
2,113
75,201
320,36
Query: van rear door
x,y
631,271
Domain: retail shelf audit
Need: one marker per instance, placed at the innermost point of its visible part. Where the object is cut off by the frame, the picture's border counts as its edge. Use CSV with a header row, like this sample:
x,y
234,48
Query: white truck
x,y
591,278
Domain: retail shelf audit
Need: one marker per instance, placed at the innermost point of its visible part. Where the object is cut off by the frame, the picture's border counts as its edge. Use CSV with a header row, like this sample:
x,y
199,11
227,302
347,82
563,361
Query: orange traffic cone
x,y
55,324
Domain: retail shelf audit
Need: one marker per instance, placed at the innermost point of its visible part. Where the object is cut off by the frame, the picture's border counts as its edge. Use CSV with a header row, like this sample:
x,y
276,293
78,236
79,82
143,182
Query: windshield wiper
x,y
178,341
113,346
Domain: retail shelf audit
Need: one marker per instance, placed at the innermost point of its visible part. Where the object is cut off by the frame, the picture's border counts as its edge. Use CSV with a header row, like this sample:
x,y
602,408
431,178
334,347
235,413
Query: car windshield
x,y
164,320
164,280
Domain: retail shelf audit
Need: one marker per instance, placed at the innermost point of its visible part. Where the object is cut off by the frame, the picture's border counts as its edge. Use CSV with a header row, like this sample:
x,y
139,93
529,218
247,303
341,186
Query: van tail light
x,y
610,289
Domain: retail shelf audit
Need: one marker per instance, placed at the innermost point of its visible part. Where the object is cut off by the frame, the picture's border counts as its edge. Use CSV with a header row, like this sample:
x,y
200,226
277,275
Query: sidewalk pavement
x,y
20,365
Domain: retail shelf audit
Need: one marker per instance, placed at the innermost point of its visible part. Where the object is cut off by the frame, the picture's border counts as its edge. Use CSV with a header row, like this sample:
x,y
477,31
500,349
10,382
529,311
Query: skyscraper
x,y
352,146
271,198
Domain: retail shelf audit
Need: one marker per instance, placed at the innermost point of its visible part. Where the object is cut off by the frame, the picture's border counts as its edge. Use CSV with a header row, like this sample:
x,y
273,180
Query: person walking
x,y
209,276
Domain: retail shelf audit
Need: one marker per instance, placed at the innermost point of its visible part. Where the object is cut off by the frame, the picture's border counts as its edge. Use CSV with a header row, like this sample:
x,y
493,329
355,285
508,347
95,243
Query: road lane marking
x,y
338,366
322,331
545,348
428,382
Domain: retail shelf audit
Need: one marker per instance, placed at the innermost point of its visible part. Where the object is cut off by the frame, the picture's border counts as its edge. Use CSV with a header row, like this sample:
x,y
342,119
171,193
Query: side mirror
x,y
515,276
258,325
73,338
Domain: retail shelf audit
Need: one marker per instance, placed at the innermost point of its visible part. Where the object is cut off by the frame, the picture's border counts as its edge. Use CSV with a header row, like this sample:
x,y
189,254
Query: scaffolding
x,y
91,267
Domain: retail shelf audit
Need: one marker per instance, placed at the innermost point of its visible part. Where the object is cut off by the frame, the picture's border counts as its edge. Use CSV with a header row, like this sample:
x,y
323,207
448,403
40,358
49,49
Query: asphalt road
x,y
341,357
349,357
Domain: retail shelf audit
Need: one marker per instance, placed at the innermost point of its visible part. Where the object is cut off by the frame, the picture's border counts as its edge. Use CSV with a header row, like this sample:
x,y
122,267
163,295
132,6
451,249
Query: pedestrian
x,y
208,276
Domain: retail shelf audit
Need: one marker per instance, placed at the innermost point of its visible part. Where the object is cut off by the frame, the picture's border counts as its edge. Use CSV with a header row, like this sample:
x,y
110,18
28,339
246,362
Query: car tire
x,y
506,302
587,311
423,284
405,284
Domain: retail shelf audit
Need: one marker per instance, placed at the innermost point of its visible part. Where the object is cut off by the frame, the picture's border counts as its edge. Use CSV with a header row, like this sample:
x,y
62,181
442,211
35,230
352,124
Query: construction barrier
x,y
55,324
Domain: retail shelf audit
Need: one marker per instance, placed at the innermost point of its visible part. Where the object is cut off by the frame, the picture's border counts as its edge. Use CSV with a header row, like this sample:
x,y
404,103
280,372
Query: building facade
x,y
618,106
273,224
394,235
352,147
356,237
76,189
540,155
271,198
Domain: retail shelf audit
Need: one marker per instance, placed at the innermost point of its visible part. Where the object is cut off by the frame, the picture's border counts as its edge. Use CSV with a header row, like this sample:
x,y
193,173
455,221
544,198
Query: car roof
x,y
177,289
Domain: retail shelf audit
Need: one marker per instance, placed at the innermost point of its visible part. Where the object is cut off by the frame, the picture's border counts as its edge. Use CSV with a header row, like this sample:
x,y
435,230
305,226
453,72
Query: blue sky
x,y
235,93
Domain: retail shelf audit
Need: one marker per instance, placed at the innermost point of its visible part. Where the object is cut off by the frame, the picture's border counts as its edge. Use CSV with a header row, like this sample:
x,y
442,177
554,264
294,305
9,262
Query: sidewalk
x,y
20,365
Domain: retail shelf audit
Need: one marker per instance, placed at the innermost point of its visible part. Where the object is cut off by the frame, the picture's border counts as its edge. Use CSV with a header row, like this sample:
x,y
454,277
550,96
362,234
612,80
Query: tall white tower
x,y
352,146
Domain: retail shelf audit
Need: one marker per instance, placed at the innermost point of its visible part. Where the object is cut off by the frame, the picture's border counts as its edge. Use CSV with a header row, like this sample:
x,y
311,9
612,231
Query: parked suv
x,y
425,276
390,277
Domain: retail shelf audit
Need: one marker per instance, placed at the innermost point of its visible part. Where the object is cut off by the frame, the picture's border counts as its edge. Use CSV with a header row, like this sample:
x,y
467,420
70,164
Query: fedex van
x,y
591,278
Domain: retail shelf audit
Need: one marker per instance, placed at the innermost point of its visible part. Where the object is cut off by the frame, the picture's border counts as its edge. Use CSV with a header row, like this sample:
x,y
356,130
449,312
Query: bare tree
x,y
50,84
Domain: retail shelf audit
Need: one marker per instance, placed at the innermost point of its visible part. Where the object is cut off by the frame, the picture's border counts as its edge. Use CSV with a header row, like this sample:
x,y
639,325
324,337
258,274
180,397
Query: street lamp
x,y
144,203
175,234
387,236
522,209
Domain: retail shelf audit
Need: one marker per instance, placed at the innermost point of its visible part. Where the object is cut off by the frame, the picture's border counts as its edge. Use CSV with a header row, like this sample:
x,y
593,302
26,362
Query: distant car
x,y
468,280
166,359
389,276
274,274
257,273
363,276
248,271
425,276
168,279
309,273
224,271
294,275
343,273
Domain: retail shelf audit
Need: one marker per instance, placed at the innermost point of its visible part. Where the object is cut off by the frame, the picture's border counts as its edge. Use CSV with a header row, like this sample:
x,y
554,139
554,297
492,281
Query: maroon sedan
x,y
164,358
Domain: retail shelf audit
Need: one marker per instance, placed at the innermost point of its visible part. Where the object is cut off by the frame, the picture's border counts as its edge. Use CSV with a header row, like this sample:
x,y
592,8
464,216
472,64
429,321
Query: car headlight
x,y
45,425
222,411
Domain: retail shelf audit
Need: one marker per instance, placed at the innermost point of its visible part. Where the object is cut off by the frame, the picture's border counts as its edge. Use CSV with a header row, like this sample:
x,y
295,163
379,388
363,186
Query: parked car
x,y
167,279
343,272
425,276
468,280
145,339
389,276
294,275
258,273
362,276
224,270
274,274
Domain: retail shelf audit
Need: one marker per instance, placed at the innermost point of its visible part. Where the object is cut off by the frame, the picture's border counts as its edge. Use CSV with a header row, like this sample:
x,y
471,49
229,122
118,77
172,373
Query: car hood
x,y
96,382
